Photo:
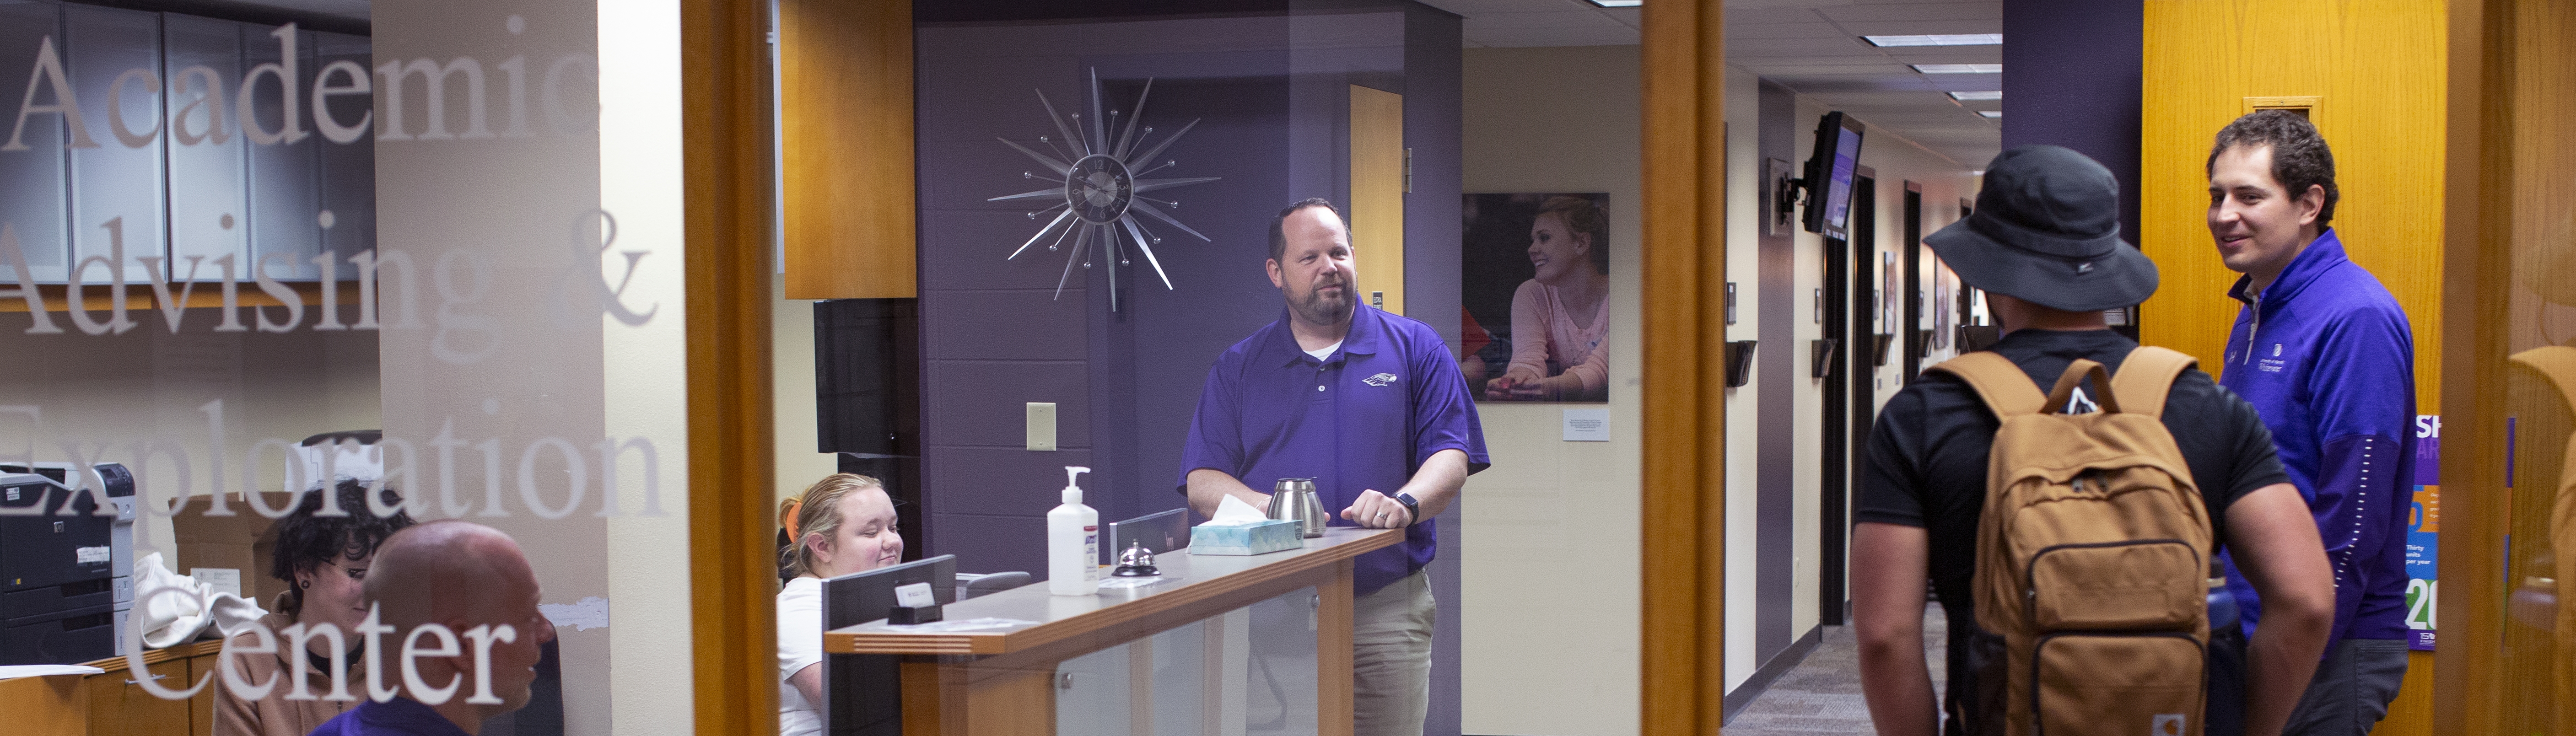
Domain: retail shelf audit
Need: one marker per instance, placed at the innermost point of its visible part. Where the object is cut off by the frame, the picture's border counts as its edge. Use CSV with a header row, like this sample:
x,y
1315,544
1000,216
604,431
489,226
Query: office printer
x,y
57,569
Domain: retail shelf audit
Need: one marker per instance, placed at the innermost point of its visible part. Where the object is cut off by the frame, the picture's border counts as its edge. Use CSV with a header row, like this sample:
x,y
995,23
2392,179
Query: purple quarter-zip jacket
x,y
2326,356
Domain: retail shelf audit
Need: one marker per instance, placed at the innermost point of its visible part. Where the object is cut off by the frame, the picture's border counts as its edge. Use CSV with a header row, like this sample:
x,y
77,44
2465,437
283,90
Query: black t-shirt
x,y
1927,456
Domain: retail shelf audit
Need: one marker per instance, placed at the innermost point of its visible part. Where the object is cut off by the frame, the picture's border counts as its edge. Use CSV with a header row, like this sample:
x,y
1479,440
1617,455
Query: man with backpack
x,y
2063,495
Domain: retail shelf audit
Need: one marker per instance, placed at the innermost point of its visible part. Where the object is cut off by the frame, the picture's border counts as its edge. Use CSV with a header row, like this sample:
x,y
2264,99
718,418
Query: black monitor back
x,y
862,693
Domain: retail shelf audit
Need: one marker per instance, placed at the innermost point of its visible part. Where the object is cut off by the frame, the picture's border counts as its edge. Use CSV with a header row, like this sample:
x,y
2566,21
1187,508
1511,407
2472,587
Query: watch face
x,y
1098,189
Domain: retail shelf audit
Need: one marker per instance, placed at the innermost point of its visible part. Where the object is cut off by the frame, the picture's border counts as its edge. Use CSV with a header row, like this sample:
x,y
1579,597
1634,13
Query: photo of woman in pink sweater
x,y
1560,315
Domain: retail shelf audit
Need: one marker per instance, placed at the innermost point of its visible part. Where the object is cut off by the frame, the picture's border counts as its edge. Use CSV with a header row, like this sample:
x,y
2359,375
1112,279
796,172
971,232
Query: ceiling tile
x,y
1525,21
1473,8
1990,10
1912,27
1736,31
1615,36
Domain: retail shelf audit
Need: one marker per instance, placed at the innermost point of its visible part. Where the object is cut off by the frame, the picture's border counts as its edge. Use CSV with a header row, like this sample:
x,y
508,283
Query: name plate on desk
x,y
1263,537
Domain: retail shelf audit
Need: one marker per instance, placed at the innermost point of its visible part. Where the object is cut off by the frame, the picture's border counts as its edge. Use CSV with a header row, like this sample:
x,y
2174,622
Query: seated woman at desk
x,y
323,560
843,524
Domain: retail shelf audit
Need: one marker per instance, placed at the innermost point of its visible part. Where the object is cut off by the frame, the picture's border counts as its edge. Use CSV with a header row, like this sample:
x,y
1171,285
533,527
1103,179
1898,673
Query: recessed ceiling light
x,y
1977,96
1991,113
1959,68
1940,39
1618,3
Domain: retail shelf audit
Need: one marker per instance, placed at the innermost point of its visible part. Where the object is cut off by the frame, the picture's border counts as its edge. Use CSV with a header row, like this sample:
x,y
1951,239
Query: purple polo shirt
x,y
396,717
1363,419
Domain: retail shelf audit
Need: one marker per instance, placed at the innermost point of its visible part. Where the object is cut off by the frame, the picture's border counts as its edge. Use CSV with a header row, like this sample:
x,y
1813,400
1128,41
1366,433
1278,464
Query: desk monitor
x,y
861,691
1161,532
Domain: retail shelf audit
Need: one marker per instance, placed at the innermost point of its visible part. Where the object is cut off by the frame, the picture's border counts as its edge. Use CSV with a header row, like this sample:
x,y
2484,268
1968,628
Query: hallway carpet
x,y
1822,694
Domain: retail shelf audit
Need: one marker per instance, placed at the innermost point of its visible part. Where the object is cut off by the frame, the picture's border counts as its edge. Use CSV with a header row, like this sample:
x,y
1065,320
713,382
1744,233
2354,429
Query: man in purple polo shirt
x,y
1371,406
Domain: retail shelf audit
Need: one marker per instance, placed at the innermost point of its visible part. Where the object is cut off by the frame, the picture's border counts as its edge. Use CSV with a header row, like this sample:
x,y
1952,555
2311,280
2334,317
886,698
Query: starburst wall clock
x,y
1101,192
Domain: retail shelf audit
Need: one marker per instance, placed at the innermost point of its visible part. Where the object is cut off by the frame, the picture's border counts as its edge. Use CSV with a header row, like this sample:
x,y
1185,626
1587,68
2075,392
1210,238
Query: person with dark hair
x,y
2326,355
1561,316
1371,406
2044,243
324,560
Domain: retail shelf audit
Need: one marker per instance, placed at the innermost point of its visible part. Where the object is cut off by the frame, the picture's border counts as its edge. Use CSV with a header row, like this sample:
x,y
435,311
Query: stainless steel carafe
x,y
1294,499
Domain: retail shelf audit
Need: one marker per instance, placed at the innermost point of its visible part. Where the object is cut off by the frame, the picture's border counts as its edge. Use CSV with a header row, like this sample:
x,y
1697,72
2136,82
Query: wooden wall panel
x,y
2376,68
2376,72
1683,611
1377,193
845,107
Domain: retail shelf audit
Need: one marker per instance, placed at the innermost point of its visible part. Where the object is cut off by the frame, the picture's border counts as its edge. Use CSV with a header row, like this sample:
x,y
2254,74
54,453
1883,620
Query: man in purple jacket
x,y
1371,406
2325,355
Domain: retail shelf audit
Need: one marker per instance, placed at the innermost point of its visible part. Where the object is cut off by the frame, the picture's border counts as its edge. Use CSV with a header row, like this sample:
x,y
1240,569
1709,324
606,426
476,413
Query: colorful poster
x,y
2423,525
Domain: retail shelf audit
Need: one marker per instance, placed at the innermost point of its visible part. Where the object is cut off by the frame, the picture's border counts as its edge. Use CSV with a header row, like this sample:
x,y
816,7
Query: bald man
x,y
460,602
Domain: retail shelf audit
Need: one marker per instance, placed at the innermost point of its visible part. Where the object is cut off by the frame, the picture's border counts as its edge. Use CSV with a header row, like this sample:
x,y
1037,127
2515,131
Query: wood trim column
x,y
2476,280
725,124
1683,531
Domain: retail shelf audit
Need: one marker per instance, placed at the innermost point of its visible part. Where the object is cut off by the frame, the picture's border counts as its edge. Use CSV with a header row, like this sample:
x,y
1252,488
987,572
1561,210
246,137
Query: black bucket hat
x,y
2047,231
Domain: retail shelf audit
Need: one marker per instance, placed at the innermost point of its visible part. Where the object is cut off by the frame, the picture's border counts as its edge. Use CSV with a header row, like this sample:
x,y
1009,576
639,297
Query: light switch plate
x,y
1042,426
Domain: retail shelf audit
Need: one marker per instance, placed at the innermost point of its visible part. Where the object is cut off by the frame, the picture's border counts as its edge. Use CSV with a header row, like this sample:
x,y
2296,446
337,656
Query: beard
x,y
1318,308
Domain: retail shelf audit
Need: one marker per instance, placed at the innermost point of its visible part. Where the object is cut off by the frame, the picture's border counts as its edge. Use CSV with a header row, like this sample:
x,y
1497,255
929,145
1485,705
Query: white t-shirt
x,y
800,645
1326,352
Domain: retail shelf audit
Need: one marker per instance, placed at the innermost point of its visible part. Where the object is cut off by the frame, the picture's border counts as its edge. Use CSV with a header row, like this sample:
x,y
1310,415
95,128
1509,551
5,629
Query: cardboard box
x,y
244,541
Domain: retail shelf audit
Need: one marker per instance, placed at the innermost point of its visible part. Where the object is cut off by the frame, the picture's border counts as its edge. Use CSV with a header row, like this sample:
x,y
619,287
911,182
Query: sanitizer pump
x,y
1073,542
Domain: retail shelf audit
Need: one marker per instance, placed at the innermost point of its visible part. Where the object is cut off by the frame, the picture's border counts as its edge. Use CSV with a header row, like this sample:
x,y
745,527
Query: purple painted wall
x,y
2071,78
1268,94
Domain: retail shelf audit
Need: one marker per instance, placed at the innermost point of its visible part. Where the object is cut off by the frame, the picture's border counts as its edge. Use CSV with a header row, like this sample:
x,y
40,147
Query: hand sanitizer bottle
x,y
1073,542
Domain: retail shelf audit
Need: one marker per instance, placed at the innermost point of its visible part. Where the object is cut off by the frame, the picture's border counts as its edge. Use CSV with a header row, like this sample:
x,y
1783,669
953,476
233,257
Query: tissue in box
x,y
1260,537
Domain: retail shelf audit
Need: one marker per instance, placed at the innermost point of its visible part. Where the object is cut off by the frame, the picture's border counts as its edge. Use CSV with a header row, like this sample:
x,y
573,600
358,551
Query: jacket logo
x,y
1379,379
2166,724
2276,350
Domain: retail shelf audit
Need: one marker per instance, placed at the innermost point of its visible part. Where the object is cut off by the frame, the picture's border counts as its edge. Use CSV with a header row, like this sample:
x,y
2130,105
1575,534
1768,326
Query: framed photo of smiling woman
x,y
1536,296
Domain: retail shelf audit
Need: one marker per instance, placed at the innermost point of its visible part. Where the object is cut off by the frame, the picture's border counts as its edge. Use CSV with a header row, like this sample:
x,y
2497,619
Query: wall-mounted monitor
x,y
1829,173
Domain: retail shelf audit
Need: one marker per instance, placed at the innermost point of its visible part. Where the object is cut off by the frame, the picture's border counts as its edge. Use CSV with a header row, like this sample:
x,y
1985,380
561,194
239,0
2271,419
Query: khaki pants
x,y
1391,657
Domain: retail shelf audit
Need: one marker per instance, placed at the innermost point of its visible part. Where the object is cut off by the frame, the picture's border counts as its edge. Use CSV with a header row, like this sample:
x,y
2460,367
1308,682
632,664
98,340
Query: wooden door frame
x,y
725,133
2476,273
726,119
1683,611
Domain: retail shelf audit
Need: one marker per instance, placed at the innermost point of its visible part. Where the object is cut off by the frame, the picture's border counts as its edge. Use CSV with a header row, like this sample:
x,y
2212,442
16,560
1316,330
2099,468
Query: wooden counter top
x,y
1205,586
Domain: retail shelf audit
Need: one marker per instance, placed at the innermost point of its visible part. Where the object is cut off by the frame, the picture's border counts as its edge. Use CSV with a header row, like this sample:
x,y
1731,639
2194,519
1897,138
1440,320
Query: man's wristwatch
x,y
1412,508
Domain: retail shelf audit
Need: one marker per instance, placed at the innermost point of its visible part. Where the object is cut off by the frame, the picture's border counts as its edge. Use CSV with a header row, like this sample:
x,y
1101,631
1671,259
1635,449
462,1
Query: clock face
x,y
1098,189
1099,159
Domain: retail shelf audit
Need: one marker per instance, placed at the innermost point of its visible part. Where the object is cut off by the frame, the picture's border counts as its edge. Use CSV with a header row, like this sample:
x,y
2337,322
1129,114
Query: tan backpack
x,y
2092,553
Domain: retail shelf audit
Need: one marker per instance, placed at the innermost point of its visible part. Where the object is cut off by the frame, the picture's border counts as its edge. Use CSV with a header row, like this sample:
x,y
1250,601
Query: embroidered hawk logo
x,y
1381,379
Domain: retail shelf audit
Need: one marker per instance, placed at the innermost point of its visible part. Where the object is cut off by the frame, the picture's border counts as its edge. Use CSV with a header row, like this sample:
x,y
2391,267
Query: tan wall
x,y
2378,71
1554,515
116,390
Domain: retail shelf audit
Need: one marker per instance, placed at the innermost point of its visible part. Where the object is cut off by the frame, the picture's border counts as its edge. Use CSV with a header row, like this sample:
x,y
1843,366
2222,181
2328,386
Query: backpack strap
x,y
2558,362
2145,376
2005,388
2075,374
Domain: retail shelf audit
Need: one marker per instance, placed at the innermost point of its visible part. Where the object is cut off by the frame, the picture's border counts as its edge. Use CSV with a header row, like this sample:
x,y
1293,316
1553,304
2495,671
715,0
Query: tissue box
x,y
1263,537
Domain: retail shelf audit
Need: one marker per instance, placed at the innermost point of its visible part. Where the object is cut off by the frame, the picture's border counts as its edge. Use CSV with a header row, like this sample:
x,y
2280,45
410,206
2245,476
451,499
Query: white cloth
x,y
1326,352
169,619
800,645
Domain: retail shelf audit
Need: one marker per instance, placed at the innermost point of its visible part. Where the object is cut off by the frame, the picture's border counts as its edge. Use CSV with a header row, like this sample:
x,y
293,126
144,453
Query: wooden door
x,y
1378,183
